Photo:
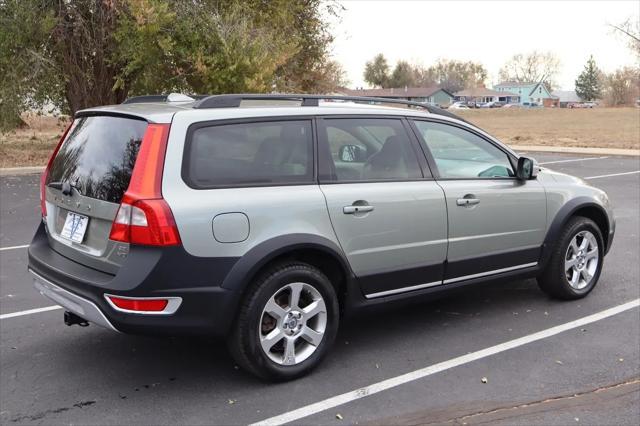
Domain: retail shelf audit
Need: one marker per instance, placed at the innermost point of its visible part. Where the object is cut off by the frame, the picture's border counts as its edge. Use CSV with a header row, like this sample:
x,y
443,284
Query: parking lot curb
x,y
575,150
18,171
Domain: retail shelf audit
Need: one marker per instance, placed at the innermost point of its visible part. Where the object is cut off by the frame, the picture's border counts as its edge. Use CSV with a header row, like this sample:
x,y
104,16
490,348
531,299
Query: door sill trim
x,y
449,281
402,290
484,274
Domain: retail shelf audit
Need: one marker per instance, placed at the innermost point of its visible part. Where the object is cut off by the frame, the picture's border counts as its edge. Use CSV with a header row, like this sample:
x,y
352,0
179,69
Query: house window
x,y
540,90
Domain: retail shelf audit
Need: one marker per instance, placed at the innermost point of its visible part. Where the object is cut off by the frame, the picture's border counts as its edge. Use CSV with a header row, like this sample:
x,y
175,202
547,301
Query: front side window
x,y
459,153
368,149
261,153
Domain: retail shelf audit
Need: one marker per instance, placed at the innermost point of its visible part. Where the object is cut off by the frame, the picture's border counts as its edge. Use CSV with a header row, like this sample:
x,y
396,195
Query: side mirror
x,y
527,168
352,154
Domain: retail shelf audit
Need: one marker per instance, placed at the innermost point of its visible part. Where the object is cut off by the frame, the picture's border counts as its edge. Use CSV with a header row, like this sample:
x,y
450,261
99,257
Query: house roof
x,y
400,92
515,84
482,91
567,95
546,90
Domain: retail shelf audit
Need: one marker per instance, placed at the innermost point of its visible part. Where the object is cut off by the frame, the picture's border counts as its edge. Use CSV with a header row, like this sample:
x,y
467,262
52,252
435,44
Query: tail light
x,y
144,217
45,173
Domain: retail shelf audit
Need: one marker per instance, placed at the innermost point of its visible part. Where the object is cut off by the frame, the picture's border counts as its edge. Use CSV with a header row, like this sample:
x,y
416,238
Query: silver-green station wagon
x,y
267,218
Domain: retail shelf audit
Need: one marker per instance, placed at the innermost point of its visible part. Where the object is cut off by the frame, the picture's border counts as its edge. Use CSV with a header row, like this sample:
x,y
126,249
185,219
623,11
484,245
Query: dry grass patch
x,y
33,144
591,128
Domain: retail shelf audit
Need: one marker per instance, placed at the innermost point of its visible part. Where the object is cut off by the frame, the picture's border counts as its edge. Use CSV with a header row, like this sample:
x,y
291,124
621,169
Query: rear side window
x,y
261,153
98,156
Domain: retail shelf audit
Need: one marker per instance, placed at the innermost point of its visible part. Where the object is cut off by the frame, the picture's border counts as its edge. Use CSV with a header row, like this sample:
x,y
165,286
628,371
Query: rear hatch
x,y
85,183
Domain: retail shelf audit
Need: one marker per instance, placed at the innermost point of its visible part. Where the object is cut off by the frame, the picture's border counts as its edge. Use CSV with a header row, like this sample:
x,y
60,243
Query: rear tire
x,y
576,261
287,322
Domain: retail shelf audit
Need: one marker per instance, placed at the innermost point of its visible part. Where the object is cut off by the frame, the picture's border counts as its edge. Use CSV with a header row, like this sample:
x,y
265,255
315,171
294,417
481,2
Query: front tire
x,y
286,323
576,261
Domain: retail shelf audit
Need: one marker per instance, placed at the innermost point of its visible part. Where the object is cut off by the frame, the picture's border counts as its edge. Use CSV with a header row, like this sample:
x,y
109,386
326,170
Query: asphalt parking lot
x,y
586,373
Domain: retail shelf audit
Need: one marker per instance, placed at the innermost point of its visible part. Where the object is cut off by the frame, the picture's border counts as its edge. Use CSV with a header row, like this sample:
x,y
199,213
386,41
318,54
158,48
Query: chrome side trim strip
x,y
449,281
484,274
80,306
402,290
172,305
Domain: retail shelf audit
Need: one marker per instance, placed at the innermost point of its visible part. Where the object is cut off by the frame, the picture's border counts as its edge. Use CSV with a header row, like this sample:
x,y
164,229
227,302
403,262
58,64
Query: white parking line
x,y
393,382
30,311
14,247
573,159
611,175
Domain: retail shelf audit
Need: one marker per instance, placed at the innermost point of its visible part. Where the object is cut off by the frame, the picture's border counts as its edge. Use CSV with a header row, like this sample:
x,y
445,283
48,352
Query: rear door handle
x,y
356,209
467,201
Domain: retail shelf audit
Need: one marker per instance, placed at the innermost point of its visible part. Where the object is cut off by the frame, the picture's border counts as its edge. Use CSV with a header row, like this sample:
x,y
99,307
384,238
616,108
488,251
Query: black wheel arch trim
x,y
243,272
563,215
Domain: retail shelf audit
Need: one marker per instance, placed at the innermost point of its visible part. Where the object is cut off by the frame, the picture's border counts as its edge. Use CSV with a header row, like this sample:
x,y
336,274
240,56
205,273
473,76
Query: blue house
x,y
482,94
530,93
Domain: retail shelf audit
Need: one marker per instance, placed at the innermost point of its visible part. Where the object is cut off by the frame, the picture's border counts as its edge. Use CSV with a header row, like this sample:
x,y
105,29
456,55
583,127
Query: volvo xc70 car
x,y
267,218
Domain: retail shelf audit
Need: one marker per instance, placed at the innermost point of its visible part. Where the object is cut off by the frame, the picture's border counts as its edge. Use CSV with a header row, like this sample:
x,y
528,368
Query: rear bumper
x,y
71,302
206,308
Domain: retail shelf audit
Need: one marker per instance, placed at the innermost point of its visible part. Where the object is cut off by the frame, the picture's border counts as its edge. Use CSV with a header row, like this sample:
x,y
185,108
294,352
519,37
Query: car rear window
x,y
98,156
249,154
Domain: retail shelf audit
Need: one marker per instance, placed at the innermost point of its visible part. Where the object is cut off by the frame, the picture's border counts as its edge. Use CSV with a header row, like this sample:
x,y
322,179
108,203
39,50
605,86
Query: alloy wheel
x,y
581,260
292,324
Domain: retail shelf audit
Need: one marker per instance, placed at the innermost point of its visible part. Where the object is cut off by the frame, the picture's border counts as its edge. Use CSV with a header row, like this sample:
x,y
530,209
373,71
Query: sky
x,y
489,32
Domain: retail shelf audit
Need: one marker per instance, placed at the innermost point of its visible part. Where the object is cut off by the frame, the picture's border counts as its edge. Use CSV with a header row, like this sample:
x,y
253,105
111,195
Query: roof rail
x,y
234,101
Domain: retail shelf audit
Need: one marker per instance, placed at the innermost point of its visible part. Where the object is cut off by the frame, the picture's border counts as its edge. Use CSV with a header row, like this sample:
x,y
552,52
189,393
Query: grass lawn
x,y
598,127
592,128
32,145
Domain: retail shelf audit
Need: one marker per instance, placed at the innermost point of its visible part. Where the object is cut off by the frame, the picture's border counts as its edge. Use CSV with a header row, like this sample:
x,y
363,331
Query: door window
x,y
459,153
262,153
368,150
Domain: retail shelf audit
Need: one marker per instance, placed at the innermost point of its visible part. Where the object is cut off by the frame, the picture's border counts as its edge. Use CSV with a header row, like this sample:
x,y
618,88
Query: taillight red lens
x,y
161,229
140,305
146,178
144,216
45,173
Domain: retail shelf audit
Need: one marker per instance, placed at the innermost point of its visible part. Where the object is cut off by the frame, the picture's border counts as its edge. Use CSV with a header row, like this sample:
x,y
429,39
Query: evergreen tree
x,y
588,85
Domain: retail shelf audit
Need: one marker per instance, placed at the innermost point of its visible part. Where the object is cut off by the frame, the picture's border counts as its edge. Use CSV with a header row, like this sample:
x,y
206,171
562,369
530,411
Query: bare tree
x,y
532,67
454,75
376,71
402,75
630,30
622,87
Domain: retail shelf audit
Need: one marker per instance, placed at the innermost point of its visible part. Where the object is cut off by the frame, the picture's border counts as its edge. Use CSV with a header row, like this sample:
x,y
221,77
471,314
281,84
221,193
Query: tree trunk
x,y
85,44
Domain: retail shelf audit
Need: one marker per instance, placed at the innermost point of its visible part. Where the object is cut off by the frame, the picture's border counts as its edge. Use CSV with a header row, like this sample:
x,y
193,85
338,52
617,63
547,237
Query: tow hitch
x,y
70,319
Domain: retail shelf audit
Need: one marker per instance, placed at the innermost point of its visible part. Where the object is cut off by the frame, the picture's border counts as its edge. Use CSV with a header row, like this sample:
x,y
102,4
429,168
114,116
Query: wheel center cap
x,y
581,260
292,322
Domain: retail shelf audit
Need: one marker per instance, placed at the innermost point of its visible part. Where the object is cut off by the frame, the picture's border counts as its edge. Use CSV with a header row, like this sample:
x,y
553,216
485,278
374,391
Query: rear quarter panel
x,y
272,211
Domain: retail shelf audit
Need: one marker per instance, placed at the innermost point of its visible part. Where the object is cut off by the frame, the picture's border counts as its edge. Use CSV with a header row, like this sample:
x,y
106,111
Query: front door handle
x,y
467,201
357,209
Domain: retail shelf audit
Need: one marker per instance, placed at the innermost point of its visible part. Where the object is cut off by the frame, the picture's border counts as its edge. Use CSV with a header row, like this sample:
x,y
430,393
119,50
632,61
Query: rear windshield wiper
x,y
65,187
55,185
